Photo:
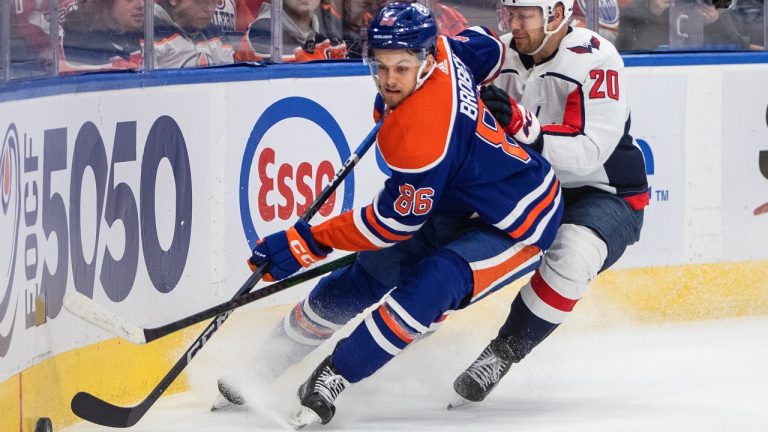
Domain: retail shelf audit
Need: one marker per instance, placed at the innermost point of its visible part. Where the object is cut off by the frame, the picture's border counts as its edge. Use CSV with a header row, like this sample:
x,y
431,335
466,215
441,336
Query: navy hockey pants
x,y
447,265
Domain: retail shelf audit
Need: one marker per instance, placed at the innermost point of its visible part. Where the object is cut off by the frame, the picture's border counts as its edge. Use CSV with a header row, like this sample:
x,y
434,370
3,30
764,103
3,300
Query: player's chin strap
x,y
547,35
421,75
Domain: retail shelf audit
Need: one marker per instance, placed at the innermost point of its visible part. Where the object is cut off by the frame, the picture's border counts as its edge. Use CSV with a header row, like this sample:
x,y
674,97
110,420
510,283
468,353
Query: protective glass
x,y
30,43
101,36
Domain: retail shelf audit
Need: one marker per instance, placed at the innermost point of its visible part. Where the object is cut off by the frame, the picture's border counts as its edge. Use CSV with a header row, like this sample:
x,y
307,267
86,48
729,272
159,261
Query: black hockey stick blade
x,y
95,410
84,405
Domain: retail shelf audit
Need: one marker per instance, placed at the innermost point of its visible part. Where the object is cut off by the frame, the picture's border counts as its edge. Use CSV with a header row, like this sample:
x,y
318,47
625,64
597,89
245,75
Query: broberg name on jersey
x,y
468,105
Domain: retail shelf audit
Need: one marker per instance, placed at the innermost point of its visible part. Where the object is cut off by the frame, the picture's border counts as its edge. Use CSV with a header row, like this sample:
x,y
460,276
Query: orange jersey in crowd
x,y
450,21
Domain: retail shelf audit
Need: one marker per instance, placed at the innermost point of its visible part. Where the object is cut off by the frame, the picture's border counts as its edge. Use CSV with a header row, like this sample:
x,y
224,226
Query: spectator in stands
x,y
302,39
254,6
644,25
232,16
30,40
103,35
346,19
749,18
449,20
608,17
186,37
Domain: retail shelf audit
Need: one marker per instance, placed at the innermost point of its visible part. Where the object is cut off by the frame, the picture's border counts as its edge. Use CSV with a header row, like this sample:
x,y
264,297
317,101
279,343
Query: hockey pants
x,y
446,266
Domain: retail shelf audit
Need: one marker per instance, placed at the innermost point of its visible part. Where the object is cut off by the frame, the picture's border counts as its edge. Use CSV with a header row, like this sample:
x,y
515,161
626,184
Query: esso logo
x,y
295,186
10,217
287,163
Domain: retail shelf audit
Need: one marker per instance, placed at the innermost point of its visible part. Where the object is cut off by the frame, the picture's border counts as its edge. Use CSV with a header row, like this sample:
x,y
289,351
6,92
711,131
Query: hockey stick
x,y
96,314
95,410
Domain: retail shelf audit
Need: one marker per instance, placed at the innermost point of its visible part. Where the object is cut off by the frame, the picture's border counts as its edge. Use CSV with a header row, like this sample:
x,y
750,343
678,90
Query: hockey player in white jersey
x,y
571,78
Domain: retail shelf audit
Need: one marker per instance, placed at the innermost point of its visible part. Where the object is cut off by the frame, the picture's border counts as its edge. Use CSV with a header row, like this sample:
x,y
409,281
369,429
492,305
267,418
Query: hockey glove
x,y
287,251
517,122
321,48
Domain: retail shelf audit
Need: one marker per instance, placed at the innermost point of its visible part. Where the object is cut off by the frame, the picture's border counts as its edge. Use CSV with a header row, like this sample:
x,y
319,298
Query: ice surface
x,y
695,376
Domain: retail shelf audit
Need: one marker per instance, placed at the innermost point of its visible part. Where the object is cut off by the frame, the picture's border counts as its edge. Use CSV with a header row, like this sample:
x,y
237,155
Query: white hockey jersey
x,y
581,103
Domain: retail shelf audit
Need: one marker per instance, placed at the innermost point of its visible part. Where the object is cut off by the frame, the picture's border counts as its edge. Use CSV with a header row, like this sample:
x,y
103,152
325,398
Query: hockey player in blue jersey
x,y
572,78
465,211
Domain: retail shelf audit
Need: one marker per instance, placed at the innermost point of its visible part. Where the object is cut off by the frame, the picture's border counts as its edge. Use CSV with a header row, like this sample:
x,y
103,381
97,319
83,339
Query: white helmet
x,y
547,6
547,9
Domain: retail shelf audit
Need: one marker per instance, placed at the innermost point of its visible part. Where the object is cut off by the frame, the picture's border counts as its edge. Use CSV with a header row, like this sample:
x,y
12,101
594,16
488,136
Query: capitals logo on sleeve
x,y
594,44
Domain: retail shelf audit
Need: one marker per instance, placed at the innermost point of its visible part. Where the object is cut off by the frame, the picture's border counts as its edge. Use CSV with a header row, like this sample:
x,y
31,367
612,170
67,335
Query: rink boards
x,y
146,192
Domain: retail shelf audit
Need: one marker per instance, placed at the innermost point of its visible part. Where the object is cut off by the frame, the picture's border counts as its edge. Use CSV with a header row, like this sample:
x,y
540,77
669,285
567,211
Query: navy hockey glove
x,y
287,251
497,102
517,122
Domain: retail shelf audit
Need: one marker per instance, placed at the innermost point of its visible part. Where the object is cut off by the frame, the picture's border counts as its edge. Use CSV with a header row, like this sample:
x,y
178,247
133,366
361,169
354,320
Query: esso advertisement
x,y
290,150
293,152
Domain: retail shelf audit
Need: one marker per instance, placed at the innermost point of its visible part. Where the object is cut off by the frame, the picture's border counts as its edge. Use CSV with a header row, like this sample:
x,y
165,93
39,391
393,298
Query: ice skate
x,y
317,396
457,401
229,397
477,381
303,418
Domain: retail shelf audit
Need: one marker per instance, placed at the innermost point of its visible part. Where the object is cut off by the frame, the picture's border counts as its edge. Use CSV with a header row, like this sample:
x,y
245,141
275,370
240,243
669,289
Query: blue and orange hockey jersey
x,y
448,156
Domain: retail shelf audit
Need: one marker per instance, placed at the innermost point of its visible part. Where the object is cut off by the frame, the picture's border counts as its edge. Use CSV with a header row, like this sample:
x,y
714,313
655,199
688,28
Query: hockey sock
x,y
372,344
523,329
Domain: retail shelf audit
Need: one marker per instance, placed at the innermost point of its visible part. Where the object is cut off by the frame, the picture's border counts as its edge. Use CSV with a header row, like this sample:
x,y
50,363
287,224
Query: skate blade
x,y
303,418
458,401
221,404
